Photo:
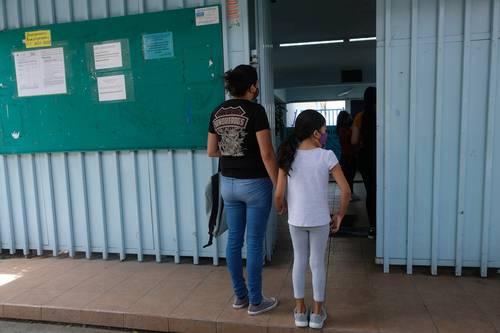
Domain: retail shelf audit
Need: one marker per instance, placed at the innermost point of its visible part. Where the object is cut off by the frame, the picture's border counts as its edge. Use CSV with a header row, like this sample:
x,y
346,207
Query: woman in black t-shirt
x,y
240,136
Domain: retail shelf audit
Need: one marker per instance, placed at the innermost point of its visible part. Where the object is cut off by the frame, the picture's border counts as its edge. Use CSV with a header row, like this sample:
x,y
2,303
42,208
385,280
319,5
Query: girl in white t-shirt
x,y
303,175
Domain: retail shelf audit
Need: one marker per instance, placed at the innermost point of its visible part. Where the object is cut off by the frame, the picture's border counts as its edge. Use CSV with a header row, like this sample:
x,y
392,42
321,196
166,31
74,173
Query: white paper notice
x,y
108,55
40,72
111,88
207,15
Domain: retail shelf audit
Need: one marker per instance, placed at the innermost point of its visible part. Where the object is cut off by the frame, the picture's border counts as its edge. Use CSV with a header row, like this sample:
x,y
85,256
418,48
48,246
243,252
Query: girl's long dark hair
x,y
306,123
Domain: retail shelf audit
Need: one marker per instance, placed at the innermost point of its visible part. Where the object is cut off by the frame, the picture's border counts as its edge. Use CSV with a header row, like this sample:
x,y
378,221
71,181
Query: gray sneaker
x,y
301,319
317,320
268,303
240,303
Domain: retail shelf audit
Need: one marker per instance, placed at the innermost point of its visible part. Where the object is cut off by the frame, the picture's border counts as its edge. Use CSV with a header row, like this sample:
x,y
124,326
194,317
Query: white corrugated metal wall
x,y
128,202
438,133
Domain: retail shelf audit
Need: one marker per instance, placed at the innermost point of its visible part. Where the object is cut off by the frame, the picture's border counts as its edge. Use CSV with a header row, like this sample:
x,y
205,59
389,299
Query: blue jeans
x,y
247,203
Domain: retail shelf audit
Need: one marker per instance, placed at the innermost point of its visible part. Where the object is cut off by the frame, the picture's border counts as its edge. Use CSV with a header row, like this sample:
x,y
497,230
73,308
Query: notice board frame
x,y
169,100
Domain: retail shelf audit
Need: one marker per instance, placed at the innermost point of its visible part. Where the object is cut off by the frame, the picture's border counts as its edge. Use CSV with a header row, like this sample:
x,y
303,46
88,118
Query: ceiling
x,y
313,20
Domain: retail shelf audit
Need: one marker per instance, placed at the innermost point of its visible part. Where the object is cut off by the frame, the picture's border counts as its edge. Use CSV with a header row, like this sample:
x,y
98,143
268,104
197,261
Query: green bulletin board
x,y
146,81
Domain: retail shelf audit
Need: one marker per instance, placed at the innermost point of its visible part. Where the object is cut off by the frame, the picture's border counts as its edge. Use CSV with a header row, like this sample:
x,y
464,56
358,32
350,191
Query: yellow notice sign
x,y
39,38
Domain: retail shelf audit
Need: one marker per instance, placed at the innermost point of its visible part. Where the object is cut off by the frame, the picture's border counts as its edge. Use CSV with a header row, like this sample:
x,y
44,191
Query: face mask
x,y
323,138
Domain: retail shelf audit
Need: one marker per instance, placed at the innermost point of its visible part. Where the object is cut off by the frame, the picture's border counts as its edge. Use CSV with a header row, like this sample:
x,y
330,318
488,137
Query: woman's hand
x,y
282,207
336,222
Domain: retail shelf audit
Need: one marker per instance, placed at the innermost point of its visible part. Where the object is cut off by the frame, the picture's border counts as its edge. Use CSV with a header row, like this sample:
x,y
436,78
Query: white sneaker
x,y
301,319
318,320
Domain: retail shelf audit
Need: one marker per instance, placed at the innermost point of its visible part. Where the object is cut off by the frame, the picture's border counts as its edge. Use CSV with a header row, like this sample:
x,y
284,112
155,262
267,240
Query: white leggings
x,y
314,239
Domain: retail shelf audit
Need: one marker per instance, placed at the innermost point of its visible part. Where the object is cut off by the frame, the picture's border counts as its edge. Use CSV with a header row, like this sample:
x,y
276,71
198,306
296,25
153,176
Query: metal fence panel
x,y
437,141
127,202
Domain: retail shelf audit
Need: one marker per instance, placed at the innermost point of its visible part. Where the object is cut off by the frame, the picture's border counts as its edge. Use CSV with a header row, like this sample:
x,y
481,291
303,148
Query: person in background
x,y
348,153
304,168
364,135
240,135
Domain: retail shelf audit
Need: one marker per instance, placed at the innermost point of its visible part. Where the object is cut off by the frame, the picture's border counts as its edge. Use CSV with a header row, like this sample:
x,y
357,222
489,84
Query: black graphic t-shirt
x,y
236,122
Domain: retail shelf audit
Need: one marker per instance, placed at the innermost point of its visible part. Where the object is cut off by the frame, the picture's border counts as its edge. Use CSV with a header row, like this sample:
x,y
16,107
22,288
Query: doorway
x,y
320,56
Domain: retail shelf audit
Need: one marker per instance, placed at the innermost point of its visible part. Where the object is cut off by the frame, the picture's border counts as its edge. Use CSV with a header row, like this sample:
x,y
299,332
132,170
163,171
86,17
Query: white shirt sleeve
x,y
331,159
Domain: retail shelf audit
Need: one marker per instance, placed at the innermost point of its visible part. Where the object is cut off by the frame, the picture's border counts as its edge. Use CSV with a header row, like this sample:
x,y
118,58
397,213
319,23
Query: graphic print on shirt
x,y
230,123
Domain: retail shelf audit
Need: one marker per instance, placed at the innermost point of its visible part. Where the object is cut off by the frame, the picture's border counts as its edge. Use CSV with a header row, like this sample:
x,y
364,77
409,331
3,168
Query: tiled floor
x,y
189,298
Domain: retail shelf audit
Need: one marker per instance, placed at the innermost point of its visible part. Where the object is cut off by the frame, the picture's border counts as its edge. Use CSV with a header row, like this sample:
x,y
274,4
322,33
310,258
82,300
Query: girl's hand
x,y
282,207
335,223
